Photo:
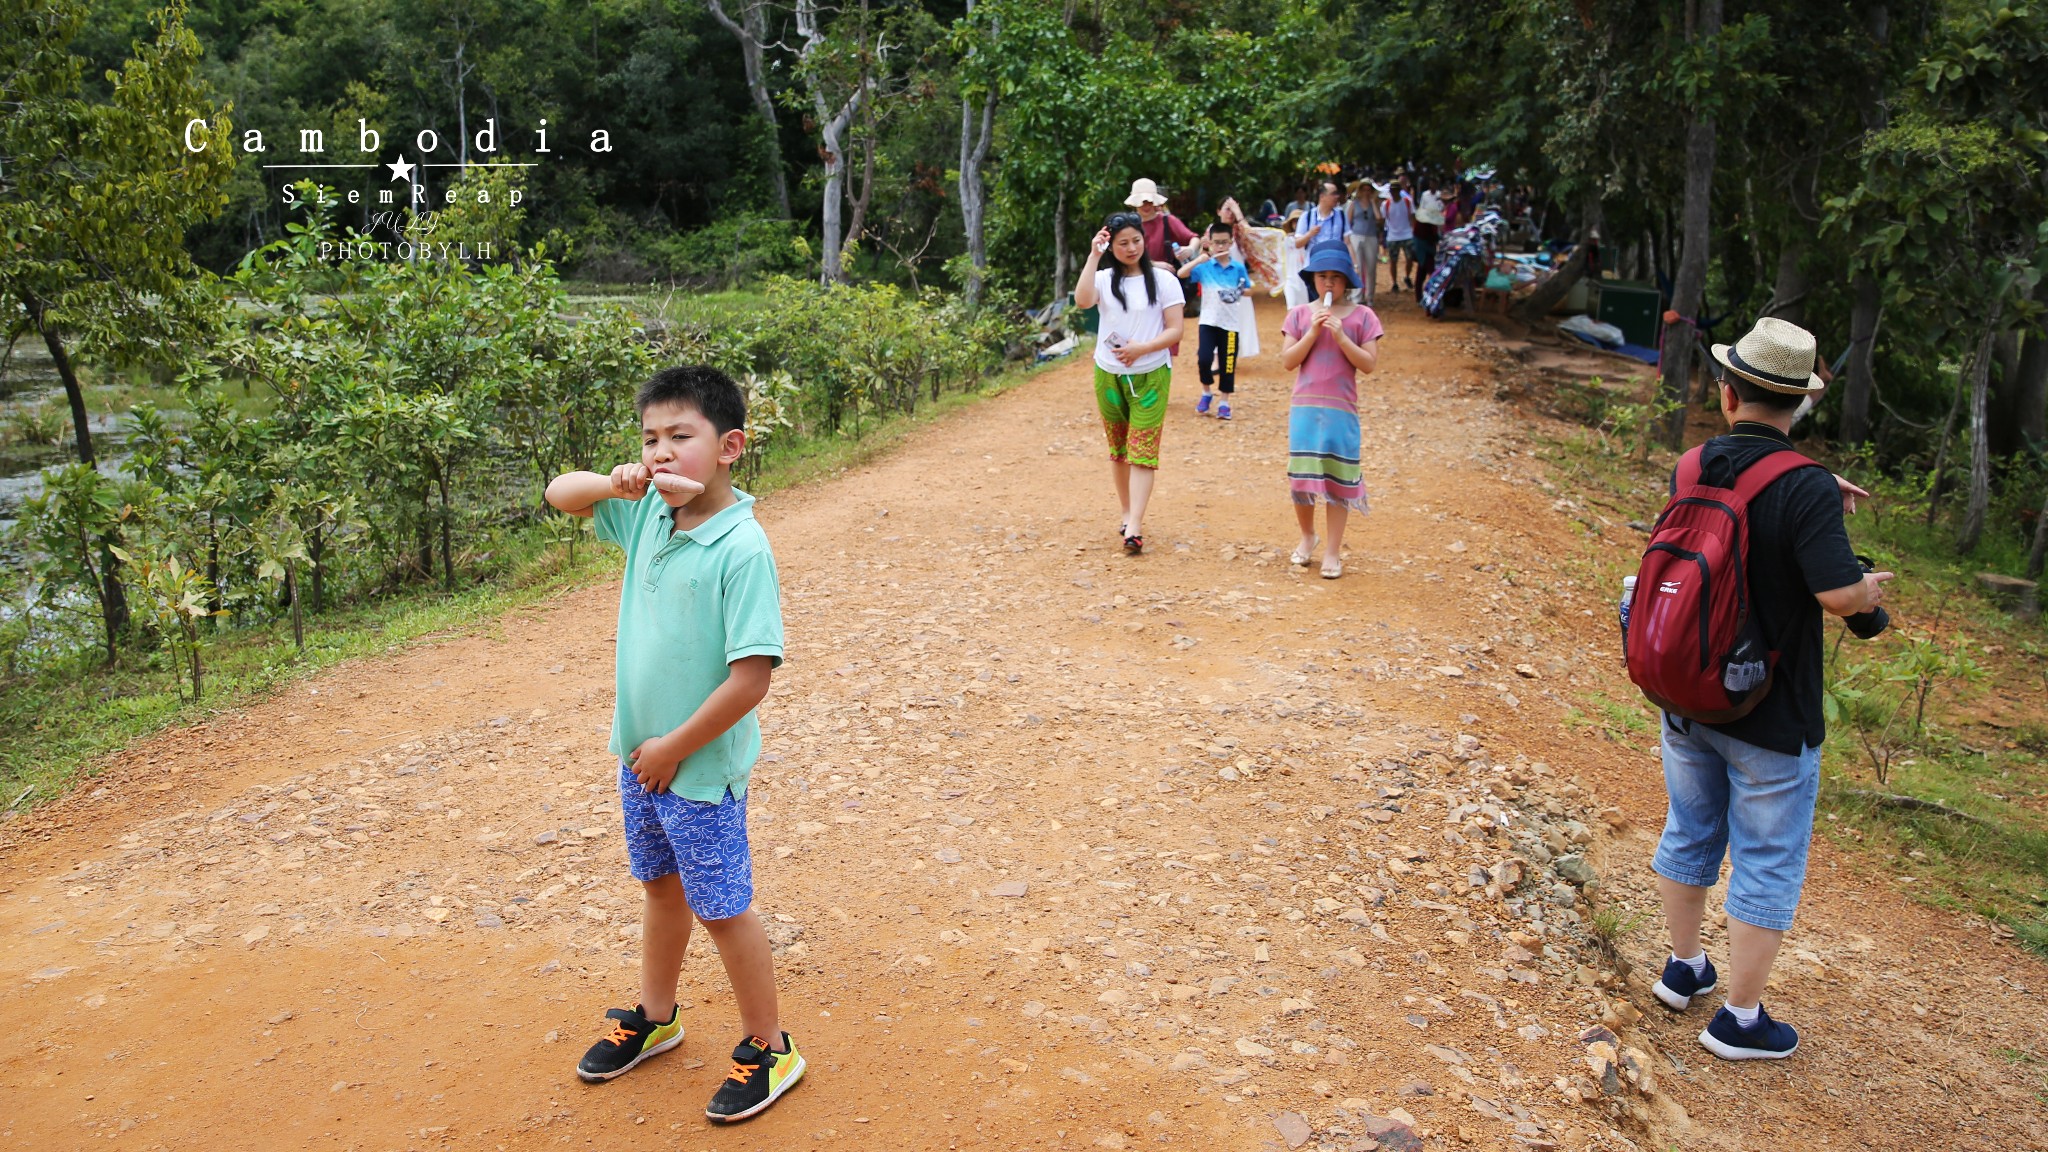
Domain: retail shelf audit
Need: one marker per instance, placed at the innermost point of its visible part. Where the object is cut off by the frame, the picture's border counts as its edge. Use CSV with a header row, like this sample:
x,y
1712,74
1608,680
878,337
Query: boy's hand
x,y
654,764
630,481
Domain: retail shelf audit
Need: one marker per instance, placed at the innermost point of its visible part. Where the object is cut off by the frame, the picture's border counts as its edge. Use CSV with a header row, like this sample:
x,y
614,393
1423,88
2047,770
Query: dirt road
x,y
1062,849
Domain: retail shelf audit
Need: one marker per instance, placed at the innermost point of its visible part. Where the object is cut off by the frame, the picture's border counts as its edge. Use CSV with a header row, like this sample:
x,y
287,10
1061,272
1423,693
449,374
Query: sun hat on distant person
x,y
1144,192
1329,256
1776,354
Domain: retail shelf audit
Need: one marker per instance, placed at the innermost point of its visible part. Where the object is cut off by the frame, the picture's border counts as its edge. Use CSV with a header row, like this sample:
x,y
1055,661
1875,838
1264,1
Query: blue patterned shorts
x,y
704,844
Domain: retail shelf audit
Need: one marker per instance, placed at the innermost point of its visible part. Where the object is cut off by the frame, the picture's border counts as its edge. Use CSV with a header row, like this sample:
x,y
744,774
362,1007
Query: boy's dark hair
x,y
699,386
1750,392
1219,228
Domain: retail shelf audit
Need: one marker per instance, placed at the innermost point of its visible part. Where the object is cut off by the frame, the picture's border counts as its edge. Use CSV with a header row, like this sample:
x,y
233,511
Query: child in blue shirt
x,y
700,631
1228,327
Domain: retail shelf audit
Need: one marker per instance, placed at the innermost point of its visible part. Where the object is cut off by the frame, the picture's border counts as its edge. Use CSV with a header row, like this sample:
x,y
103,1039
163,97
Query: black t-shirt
x,y
1798,548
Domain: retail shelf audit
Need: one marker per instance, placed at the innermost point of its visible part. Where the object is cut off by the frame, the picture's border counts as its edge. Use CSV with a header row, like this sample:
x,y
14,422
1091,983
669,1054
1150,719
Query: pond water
x,y
29,384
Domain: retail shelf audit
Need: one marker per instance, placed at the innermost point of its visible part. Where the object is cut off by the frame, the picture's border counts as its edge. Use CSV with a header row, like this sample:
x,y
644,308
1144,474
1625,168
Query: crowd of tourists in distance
x,y
1726,640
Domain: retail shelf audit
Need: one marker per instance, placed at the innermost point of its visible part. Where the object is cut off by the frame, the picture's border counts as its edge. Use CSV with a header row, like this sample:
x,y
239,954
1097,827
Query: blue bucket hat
x,y
1329,256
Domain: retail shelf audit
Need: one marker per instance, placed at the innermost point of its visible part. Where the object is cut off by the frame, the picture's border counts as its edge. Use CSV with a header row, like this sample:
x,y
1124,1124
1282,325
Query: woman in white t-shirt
x,y
1140,309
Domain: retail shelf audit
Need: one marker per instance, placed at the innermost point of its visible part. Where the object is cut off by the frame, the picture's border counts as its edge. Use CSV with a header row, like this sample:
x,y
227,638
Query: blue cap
x,y
1329,256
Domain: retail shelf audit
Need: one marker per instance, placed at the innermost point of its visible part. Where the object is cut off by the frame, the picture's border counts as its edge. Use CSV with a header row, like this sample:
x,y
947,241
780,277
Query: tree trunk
x,y
859,221
973,197
2039,554
1948,427
291,590
81,420
832,127
447,532
1689,286
1788,293
1059,245
834,132
462,72
1867,307
314,547
1980,441
113,597
1861,381
1551,292
2030,392
751,30
2002,419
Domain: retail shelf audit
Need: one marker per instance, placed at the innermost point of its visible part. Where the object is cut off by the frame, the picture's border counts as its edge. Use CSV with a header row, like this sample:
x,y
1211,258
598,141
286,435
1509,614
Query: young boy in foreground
x,y
700,630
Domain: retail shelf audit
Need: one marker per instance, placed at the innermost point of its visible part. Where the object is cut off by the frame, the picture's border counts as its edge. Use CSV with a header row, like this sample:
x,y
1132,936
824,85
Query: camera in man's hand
x,y
1868,624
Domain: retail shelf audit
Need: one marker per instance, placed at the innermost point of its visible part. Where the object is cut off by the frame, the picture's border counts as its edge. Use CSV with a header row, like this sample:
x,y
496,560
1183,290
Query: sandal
x,y
1332,571
1133,545
1299,558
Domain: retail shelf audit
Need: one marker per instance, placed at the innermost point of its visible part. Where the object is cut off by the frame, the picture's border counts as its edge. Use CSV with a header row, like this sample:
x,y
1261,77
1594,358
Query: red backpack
x,y
1692,644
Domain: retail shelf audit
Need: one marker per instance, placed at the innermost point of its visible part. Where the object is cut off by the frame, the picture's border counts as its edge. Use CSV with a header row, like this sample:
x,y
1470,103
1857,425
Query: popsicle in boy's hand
x,y
675,485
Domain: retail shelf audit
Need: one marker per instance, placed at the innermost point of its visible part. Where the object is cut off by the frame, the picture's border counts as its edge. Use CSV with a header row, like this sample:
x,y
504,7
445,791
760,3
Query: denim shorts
x,y
702,843
1749,803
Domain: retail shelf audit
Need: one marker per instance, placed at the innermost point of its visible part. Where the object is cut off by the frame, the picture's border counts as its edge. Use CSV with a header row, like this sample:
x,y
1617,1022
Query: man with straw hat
x,y
1747,787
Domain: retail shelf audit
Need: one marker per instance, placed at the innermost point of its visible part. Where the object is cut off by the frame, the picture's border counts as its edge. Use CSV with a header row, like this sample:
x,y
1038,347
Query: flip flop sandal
x,y
1133,545
1300,559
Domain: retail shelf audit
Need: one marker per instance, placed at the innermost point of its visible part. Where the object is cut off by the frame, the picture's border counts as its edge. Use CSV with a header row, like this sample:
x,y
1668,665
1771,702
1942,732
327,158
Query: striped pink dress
x,y
1322,427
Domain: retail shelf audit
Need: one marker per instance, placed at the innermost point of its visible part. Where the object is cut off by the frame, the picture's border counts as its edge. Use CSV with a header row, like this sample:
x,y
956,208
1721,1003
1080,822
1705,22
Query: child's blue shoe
x,y
1202,405
1223,411
1767,1039
1680,984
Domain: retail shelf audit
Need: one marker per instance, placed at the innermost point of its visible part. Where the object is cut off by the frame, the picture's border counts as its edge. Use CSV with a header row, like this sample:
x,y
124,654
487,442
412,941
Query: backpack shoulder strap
x,y
1689,466
1767,471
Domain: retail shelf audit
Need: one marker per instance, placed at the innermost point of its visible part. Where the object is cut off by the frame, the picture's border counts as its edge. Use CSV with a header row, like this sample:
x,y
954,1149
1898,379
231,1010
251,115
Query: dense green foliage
x,y
1881,178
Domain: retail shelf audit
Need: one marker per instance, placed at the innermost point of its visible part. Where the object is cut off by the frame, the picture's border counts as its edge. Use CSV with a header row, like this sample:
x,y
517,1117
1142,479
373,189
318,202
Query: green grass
x,y
59,725
1991,861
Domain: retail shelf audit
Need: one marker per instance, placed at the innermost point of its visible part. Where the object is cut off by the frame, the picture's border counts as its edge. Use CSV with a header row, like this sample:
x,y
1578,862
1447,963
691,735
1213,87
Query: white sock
x,y
1745,1016
1698,963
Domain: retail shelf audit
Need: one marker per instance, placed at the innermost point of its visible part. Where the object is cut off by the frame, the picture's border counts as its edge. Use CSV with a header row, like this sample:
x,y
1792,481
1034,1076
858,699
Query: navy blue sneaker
x,y
1679,985
1767,1039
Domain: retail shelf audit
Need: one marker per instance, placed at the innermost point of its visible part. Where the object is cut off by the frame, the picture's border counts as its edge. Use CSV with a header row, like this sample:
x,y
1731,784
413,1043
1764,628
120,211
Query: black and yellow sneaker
x,y
757,1079
633,1039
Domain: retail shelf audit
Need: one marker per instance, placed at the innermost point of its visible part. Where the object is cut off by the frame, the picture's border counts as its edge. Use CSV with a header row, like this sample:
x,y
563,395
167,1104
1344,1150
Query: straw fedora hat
x,y
1144,192
1776,354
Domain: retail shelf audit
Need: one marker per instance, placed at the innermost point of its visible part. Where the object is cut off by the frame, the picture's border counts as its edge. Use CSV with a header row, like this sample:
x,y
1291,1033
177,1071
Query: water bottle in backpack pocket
x,y
1691,638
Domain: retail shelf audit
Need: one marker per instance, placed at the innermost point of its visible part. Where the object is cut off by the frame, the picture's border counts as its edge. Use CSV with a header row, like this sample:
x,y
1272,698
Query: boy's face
x,y
1219,246
678,439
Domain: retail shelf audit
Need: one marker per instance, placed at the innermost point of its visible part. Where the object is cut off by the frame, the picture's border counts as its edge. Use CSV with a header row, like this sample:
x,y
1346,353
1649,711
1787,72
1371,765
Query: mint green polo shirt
x,y
692,603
